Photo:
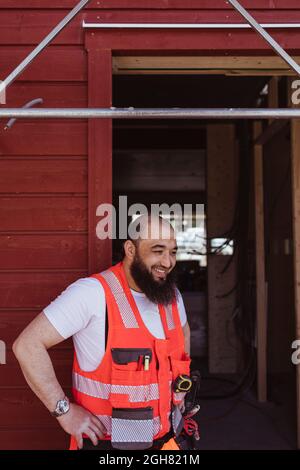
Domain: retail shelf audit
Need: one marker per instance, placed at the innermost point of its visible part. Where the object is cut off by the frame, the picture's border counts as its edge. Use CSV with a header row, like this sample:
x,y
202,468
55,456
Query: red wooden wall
x,y
51,177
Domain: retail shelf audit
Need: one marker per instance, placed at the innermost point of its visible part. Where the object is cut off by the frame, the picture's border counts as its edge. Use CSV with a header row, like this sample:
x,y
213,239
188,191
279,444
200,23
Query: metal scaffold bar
x,y
148,113
270,40
49,38
86,25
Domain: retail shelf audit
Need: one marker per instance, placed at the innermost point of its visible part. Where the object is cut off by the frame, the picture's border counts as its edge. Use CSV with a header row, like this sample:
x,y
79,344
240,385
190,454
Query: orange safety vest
x,y
131,390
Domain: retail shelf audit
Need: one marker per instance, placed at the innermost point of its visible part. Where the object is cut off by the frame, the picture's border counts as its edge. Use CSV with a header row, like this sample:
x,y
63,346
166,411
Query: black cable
x,y
228,293
229,262
239,387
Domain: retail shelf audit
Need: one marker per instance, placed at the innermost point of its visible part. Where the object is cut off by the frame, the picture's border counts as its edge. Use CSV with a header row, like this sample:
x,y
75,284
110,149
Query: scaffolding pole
x,y
266,36
149,113
86,25
49,38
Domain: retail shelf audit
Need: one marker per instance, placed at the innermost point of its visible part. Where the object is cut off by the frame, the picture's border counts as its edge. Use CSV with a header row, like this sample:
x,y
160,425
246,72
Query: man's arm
x,y
187,338
30,348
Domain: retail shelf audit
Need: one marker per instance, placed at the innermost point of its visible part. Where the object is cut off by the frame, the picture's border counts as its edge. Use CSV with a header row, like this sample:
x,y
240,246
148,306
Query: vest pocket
x,y
131,366
125,356
129,377
179,367
132,428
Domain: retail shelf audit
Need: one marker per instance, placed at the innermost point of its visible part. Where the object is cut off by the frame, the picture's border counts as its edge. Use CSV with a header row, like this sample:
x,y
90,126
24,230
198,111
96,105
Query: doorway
x,y
200,162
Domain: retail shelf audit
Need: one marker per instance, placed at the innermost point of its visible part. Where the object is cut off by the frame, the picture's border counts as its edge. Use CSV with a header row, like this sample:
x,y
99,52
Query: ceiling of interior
x,y
186,91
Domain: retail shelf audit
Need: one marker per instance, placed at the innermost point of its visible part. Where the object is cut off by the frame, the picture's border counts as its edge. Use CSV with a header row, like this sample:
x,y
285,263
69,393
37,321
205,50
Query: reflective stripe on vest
x,y
90,387
169,316
125,309
177,420
106,421
126,312
94,388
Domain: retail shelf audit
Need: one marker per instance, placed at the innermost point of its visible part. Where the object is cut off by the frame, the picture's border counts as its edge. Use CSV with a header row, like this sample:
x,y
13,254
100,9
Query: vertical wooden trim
x,y
261,311
295,174
273,93
100,154
222,171
295,137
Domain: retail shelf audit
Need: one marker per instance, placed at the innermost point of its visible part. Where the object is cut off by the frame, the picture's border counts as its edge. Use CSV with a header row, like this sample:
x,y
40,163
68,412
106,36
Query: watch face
x,y
63,406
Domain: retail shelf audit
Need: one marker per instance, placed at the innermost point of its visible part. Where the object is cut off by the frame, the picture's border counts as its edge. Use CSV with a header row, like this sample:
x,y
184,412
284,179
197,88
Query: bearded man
x,y
131,342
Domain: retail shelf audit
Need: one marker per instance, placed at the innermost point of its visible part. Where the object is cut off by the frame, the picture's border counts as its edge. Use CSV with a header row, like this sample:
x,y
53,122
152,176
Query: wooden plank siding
x,y
44,213
21,28
152,4
49,187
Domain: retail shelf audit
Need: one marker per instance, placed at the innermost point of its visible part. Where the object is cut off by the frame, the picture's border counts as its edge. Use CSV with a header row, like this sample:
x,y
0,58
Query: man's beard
x,y
160,292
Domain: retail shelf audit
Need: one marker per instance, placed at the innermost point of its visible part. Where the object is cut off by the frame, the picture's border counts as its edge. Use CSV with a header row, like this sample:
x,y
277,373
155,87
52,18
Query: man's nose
x,y
166,261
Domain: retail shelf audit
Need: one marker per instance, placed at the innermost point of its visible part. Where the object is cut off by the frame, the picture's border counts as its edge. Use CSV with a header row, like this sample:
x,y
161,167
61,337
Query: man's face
x,y
158,257
152,269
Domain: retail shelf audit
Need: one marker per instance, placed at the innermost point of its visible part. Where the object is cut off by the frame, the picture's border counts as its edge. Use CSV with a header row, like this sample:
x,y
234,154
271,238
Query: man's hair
x,y
136,241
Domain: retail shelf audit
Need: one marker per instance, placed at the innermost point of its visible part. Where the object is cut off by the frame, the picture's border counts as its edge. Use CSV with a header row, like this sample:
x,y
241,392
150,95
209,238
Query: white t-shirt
x,y
79,311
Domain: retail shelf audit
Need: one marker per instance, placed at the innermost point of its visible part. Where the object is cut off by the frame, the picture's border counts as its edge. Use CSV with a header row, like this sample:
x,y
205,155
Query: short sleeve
x,y
73,309
181,308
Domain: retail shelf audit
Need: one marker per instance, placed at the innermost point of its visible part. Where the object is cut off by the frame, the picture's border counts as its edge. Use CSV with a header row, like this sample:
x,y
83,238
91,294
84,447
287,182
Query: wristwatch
x,y
62,407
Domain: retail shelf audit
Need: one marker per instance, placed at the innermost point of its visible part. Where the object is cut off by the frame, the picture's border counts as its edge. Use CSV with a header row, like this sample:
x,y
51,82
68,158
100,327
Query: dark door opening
x,y
185,162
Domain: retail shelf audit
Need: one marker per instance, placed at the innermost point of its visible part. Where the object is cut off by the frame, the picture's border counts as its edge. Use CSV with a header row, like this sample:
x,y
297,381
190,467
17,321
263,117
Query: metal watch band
x,y
62,407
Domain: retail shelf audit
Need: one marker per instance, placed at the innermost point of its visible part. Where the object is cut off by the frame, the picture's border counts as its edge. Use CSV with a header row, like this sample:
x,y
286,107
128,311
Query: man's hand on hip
x,y
78,421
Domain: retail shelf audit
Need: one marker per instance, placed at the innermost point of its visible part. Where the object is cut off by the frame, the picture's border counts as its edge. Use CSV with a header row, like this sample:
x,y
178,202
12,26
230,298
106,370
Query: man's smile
x,y
160,273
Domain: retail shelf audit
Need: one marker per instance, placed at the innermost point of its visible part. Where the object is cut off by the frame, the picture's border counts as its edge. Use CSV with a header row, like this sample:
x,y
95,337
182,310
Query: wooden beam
x,y
295,137
295,174
273,99
233,65
100,156
222,170
275,125
270,131
273,92
261,313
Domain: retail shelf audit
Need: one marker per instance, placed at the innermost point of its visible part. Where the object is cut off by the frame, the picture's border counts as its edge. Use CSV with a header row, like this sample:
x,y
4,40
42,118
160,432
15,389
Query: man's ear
x,y
129,249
